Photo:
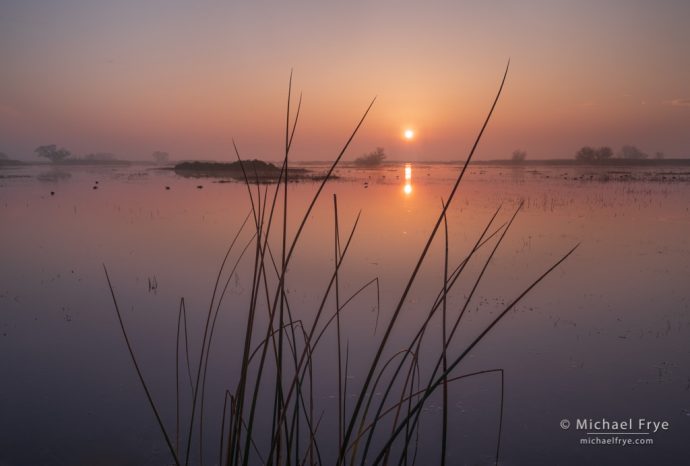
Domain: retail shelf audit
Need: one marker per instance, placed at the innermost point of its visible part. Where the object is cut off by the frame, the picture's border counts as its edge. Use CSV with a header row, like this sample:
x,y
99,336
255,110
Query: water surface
x,y
605,336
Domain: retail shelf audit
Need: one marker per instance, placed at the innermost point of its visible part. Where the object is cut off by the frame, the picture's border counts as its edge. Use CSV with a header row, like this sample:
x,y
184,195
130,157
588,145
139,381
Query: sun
x,y
409,134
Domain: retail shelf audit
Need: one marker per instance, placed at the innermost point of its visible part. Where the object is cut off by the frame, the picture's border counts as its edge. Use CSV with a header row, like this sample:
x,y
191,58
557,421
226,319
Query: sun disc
x,y
409,134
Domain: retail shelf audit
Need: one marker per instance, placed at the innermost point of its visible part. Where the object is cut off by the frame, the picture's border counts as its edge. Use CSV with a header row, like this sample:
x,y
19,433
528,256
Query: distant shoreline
x,y
576,163
509,163
68,163
679,162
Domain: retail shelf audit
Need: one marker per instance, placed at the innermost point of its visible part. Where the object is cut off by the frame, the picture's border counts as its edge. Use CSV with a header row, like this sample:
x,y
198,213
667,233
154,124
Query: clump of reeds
x,y
279,353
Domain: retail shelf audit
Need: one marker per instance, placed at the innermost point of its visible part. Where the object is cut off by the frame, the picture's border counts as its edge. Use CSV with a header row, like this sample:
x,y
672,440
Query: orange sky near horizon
x,y
187,78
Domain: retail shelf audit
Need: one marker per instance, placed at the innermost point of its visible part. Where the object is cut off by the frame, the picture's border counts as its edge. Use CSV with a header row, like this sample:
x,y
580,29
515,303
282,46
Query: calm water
x,y
605,336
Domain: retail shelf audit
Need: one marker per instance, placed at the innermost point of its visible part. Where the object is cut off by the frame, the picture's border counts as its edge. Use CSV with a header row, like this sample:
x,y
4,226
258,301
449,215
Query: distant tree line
x,y
59,154
53,153
589,154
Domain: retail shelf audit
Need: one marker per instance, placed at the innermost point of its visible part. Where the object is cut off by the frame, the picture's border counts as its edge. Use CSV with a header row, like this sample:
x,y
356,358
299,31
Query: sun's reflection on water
x,y
407,188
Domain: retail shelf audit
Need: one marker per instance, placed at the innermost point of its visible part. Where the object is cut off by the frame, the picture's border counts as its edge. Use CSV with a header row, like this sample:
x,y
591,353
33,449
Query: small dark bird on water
x,y
95,187
199,187
167,187
52,193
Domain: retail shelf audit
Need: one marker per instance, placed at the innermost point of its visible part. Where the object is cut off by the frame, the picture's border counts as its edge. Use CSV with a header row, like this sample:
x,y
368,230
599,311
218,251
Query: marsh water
x,y
605,336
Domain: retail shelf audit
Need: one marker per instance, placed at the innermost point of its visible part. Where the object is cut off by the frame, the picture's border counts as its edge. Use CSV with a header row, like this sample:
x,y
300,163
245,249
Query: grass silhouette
x,y
280,353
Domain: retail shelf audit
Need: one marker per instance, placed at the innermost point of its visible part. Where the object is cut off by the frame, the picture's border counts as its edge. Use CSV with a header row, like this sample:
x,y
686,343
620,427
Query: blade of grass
x,y
181,324
336,256
444,336
139,373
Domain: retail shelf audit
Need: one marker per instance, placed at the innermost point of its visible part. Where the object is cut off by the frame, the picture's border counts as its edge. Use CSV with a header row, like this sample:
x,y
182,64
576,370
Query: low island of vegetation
x,y
253,169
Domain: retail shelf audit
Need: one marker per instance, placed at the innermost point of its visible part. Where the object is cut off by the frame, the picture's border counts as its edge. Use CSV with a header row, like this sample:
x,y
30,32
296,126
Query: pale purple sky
x,y
131,77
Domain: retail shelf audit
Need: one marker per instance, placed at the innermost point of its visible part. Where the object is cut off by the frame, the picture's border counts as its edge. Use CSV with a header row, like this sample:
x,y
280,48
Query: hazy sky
x,y
131,77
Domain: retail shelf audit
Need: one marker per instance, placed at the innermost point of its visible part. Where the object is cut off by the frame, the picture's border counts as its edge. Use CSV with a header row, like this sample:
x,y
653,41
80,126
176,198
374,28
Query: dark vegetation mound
x,y
264,171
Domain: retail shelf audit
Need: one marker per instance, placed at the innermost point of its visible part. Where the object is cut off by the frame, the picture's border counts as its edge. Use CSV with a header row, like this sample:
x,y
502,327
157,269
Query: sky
x,y
187,77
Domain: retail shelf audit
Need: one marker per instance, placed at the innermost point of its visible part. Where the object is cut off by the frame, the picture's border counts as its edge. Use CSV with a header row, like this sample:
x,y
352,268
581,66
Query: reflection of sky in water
x,y
604,336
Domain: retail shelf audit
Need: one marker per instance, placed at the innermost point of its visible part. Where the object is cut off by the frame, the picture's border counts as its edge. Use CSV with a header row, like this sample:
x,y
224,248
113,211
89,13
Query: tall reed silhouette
x,y
279,352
